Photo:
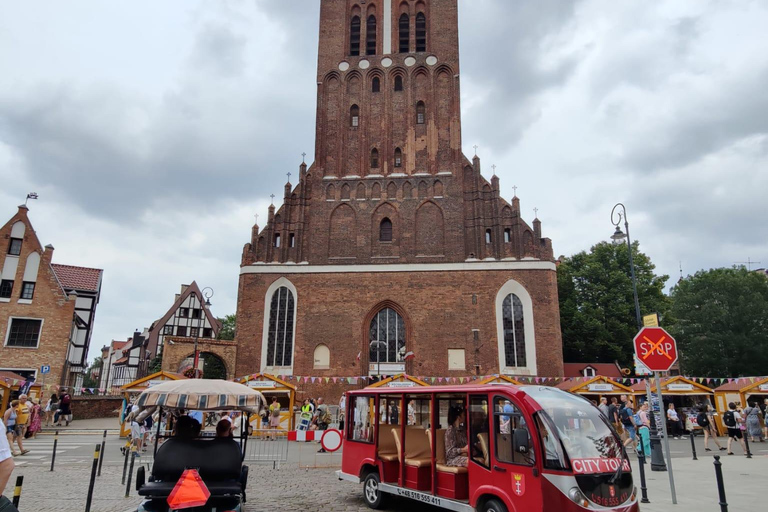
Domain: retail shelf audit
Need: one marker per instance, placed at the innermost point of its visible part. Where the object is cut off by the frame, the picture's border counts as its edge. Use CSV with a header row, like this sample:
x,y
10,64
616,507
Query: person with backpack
x,y
65,410
732,419
322,419
707,424
627,417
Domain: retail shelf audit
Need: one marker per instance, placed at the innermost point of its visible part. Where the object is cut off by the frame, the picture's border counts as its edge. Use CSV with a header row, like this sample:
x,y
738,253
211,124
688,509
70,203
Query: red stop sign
x,y
656,349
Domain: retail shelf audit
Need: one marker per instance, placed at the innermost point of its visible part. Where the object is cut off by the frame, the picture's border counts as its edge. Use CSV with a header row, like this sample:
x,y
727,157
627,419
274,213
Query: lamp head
x,y
618,235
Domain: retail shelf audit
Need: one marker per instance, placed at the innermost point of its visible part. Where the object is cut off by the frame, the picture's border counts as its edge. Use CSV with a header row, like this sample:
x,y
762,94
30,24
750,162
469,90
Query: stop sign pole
x,y
657,349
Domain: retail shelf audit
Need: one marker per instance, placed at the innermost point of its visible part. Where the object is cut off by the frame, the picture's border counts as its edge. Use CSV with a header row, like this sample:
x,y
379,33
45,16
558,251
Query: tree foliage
x,y
597,309
91,377
722,322
228,324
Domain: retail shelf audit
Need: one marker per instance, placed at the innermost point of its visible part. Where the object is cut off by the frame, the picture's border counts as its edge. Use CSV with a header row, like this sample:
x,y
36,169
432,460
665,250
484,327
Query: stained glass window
x,y
387,337
280,340
514,331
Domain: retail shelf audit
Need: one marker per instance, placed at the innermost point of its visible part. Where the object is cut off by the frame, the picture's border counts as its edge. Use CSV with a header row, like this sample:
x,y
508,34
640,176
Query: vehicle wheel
x,y
494,505
373,497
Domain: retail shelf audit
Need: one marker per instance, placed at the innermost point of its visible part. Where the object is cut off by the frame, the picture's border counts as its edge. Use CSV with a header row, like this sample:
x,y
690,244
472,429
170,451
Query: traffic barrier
x,y
693,446
101,456
720,484
17,490
305,435
130,471
96,455
643,487
272,448
53,455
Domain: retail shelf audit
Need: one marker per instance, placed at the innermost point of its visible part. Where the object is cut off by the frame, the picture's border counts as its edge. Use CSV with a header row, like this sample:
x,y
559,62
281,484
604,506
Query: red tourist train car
x,y
511,449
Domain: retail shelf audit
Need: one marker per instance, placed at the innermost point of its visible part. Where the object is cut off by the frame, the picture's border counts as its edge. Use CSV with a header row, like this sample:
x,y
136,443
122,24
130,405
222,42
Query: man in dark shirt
x,y
613,412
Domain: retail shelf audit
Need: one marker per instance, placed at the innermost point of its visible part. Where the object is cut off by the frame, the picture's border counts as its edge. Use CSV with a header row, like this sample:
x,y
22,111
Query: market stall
x,y
497,379
742,392
399,381
686,394
270,386
132,390
595,388
10,383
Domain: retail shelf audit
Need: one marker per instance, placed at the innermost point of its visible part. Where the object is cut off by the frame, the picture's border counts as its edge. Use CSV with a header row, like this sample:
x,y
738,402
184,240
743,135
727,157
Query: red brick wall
x,y
89,407
334,309
49,303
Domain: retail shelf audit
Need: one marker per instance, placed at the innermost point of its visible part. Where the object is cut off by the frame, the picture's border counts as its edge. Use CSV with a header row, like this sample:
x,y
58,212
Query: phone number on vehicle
x,y
426,498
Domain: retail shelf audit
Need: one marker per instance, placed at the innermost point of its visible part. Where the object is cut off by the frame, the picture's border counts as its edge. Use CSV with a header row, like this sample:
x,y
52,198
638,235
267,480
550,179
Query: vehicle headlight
x,y
578,497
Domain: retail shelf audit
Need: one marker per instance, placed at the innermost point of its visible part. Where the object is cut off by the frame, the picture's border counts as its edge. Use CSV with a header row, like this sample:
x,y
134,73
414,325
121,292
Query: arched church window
x,y
514,331
280,334
398,83
277,239
354,116
387,337
421,32
398,157
405,33
370,35
385,230
488,236
376,84
420,112
354,36
374,158
507,235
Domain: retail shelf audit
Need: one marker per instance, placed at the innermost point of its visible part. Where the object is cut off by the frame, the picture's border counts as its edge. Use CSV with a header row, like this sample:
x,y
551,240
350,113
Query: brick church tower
x,y
392,241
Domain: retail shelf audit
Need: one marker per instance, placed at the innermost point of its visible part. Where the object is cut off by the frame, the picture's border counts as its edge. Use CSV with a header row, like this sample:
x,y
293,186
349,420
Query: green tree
x,y
597,309
156,364
90,380
227,331
721,323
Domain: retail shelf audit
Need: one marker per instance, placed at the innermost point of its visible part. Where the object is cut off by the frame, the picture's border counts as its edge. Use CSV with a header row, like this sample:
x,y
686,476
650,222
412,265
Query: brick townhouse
x,y
47,309
392,242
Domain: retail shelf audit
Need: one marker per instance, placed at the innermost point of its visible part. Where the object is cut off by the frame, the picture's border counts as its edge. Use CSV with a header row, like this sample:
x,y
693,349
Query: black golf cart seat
x,y
218,461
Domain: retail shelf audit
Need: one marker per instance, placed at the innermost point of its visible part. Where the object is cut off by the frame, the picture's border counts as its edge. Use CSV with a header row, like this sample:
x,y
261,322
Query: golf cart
x,y
184,458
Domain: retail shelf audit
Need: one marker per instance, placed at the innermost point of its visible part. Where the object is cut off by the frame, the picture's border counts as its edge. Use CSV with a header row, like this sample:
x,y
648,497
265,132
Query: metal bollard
x,y
17,491
720,484
746,443
101,456
125,465
55,442
96,454
693,446
130,472
643,487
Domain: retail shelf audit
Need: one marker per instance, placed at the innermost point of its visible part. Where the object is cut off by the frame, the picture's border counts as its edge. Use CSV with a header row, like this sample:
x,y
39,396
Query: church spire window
x,y
405,33
376,84
398,83
398,157
374,158
421,32
354,36
420,112
370,35
354,116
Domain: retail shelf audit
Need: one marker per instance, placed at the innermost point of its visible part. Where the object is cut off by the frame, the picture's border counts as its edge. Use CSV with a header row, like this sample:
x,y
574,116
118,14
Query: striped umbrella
x,y
202,395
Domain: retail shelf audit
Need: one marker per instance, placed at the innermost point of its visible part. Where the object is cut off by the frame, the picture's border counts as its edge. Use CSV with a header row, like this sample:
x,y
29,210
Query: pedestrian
x,y
23,412
9,417
707,424
274,417
674,422
628,423
411,413
65,407
765,418
753,422
50,409
342,411
322,419
643,424
604,406
732,419
35,419
6,468
613,415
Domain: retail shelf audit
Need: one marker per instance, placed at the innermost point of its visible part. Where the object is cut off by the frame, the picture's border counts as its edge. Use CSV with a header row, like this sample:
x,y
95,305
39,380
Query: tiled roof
x,y
604,369
78,278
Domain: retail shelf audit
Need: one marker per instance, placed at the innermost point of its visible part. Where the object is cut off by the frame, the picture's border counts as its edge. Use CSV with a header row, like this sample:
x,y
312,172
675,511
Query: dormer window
x,y
354,116
590,372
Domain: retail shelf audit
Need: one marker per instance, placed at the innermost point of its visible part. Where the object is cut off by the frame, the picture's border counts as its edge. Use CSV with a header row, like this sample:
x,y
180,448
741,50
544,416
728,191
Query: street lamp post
x,y
657,457
207,294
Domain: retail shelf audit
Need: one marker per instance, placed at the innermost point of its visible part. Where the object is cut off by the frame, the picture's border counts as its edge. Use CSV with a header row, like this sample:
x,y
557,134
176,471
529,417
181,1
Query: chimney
x,y
48,254
184,288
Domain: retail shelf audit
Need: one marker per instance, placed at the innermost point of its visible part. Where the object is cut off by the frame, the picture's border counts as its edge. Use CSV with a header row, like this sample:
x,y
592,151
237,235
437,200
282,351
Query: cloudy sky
x,y
154,131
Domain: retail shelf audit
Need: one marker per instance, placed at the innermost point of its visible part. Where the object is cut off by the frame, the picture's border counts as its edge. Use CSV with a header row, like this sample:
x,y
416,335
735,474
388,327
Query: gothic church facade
x,y
393,253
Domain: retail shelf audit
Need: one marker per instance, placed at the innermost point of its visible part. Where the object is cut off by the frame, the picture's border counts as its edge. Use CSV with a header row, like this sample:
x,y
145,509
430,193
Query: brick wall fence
x,y
90,407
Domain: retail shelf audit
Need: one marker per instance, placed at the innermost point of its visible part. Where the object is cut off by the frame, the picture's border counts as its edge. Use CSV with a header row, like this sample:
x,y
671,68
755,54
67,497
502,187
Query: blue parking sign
x,y
45,369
